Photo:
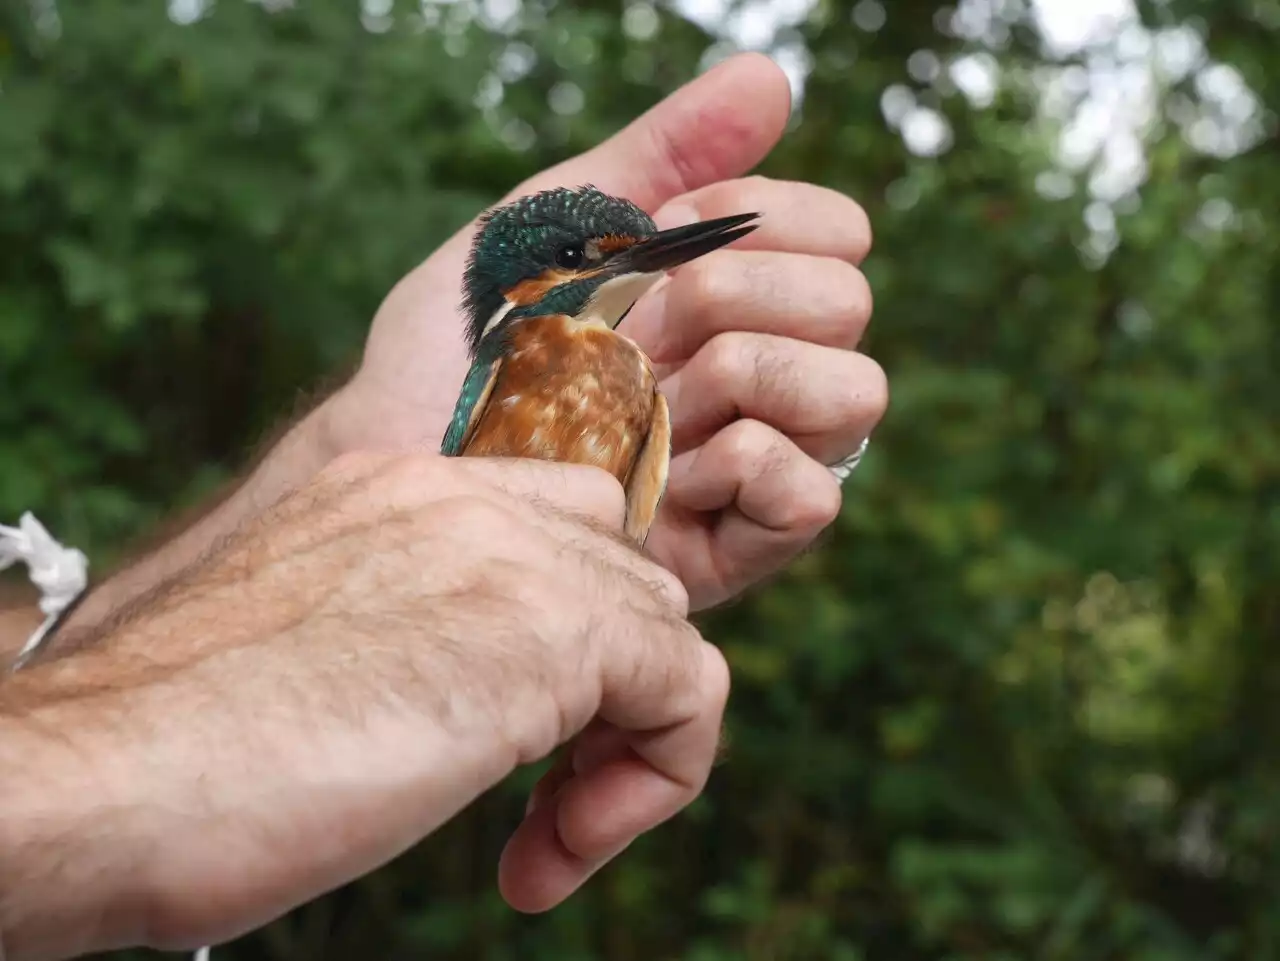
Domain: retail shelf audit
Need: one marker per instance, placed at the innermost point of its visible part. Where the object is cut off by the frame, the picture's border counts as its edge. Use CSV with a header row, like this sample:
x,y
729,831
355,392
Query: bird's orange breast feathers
x,y
569,392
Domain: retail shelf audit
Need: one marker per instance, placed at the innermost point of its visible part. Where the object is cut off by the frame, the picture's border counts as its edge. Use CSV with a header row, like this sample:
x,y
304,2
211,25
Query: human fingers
x,y
821,300
595,744
411,477
796,274
667,691
580,507
798,217
826,400
718,125
740,507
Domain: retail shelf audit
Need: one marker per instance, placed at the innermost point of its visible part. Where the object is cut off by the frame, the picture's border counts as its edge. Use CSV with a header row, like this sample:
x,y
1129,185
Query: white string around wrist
x,y
61,574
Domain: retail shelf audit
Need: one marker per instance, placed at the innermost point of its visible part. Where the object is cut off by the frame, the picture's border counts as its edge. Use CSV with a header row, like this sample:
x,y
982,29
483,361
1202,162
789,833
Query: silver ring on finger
x,y
843,468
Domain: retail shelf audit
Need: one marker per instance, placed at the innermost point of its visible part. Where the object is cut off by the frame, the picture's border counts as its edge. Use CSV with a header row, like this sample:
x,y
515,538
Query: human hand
x,y
349,671
753,344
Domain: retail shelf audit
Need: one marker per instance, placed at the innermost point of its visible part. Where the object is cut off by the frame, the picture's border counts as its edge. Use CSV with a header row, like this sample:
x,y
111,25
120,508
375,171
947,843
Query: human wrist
x,y
68,869
301,453
197,832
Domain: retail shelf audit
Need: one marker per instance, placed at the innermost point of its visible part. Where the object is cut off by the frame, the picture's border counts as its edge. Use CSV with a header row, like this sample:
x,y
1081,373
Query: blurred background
x,y
1023,703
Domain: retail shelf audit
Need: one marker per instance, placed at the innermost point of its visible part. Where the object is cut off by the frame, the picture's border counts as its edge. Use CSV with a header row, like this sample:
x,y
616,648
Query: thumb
x,y
717,126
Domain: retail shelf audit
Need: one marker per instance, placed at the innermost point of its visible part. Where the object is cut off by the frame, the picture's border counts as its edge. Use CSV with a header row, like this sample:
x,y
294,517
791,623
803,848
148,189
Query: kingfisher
x,y
548,280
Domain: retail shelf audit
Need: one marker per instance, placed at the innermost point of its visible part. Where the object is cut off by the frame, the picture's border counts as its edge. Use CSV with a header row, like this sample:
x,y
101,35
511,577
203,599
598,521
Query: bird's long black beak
x,y
679,245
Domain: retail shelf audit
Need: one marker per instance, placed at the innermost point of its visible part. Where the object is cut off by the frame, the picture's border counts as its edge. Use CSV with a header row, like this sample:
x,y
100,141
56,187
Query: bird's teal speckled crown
x,y
519,240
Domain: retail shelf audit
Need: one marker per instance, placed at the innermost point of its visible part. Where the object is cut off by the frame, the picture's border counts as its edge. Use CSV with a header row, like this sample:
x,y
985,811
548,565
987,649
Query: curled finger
x,y
769,501
795,216
666,691
825,400
820,300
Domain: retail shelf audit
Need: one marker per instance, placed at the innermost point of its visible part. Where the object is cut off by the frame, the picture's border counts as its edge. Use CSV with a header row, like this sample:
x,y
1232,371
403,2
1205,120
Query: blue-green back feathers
x,y
471,403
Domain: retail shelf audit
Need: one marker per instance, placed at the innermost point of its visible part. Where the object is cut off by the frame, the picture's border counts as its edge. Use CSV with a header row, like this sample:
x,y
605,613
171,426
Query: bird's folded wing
x,y
648,480
472,401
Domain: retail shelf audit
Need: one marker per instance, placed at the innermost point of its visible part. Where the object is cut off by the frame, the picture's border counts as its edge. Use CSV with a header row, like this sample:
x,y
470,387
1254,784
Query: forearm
x,y
301,452
212,764
65,874
17,621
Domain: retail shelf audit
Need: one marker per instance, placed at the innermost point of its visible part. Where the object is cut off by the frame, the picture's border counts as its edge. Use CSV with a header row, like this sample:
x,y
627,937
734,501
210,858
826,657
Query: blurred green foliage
x,y
1022,704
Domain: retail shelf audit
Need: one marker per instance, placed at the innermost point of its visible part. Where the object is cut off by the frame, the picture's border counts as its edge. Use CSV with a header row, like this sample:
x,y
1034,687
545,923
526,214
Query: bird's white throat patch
x,y
615,297
497,317
607,305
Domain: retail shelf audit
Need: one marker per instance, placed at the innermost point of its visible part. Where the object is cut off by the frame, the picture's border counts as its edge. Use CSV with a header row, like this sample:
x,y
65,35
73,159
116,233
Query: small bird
x,y
549,278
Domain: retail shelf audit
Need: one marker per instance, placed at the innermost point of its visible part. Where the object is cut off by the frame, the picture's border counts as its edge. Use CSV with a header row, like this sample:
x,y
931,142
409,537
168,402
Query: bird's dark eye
x,y
570,256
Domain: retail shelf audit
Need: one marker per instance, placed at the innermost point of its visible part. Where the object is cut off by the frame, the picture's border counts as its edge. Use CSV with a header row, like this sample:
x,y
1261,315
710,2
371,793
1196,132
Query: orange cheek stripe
x,y
535,288
530,291
612,243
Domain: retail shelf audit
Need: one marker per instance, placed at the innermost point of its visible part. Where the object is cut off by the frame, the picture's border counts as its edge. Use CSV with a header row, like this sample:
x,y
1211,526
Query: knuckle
x,y
623,570
816,505
598,493
859,226
709,284
847,225
670,589
513,587
804,512
724,360
872,388
526,587
715,679
678,654
472,516
856,300
748,442
845,399
778,375
852,224
678,167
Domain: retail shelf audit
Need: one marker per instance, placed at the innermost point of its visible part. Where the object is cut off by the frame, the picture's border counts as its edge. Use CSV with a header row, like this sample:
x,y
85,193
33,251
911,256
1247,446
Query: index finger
x,y
558,494
420,475
575,489
796,217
